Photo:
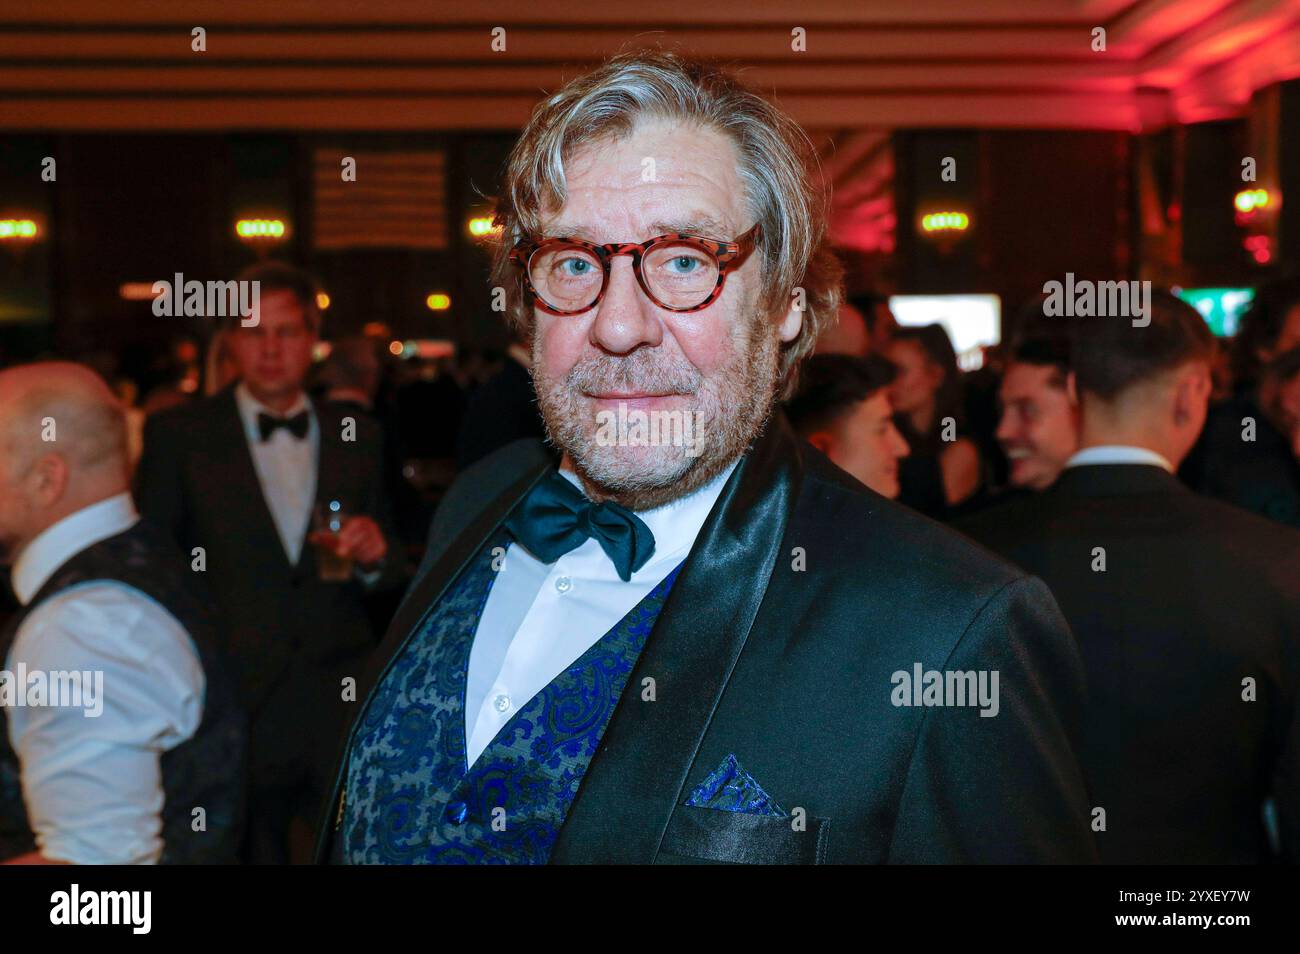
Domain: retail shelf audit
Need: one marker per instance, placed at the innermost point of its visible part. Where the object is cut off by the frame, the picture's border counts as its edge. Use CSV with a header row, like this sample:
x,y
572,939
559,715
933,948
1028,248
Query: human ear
x,y
791,324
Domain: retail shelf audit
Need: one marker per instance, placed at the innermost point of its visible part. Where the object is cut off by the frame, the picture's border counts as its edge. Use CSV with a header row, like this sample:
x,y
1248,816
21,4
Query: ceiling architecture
x,y
867,66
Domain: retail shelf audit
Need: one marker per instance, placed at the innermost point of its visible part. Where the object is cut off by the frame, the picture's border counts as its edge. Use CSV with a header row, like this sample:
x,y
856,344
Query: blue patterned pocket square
x,y
730,788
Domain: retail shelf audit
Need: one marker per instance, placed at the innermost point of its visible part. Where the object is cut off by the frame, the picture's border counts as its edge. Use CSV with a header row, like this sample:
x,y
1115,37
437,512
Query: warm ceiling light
x,y
260,230
322,300
481,225
395,348
1248,200
137,291
429,348
438,302
945,222
18,230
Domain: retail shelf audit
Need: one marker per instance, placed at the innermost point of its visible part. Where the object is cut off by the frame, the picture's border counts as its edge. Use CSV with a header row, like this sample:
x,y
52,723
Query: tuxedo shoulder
x,y
484,479
893,540
1017,511
1266,541
505,464
184,418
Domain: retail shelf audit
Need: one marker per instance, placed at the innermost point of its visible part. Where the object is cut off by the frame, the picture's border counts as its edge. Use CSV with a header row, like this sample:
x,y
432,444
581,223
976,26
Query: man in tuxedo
x,y
698,639
110,770
1186,610
236,478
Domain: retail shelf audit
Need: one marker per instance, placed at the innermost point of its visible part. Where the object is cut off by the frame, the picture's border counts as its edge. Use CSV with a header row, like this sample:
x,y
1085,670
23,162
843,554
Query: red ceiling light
x,y
1260,248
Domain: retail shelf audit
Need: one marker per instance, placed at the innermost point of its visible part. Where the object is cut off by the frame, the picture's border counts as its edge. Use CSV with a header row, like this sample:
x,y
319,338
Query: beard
x,y
725,411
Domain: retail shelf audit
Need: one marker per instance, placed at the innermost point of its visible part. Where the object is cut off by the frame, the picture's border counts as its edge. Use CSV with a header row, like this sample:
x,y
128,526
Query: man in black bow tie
x,y
686,643
239,475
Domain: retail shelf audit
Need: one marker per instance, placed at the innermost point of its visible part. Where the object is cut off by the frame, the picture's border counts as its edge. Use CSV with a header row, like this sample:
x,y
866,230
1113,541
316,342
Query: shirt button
x,y
563,584
501,702
456,813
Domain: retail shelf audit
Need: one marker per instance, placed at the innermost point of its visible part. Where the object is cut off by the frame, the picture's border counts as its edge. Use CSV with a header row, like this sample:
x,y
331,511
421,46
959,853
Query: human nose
x,y
1005,429
900,443
625,317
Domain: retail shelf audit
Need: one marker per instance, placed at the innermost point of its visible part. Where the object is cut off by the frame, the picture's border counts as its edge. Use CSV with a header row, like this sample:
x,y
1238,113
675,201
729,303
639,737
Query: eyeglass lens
x,y
677,274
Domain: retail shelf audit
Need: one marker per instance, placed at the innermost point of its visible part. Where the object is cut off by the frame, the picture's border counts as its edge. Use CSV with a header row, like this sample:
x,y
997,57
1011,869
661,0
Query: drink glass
x,y
327,520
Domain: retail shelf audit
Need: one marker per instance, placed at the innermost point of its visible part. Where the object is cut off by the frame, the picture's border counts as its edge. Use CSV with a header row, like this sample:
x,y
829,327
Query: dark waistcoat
x,y
411,798
205,771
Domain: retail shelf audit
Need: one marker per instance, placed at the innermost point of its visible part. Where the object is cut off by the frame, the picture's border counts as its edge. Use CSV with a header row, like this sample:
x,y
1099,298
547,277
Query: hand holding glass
x,y
327,521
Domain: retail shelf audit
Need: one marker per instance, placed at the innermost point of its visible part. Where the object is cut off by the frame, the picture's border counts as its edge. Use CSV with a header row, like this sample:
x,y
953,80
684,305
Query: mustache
x,y
638,372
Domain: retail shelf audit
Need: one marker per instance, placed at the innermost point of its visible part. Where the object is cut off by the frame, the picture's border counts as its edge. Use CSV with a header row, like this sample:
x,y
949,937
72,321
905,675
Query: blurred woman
x,y
944,468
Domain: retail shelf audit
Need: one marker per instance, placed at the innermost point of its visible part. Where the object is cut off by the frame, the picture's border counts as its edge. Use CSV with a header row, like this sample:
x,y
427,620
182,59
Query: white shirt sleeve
x,y
91,776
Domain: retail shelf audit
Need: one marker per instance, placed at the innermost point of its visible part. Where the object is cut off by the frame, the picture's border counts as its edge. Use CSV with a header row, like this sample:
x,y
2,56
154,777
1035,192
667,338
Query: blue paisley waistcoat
x,y
411,799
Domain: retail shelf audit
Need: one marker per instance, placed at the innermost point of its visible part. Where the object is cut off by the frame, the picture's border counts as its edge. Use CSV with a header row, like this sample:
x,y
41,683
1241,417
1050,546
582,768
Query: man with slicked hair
x,y
111,771
695,639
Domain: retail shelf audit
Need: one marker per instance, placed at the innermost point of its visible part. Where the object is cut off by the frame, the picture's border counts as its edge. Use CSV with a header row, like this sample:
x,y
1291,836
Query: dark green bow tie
x,y
556,517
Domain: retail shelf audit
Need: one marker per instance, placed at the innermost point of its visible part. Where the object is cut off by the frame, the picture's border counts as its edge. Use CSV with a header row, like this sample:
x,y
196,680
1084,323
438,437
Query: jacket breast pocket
x,y
710,834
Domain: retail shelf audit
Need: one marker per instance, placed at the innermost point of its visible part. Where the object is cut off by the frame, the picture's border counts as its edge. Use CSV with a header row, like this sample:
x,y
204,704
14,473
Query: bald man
x,y
120,740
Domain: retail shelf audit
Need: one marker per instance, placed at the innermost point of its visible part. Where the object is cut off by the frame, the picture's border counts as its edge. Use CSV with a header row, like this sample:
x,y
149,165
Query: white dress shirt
x,y
93,784
1118,454
286,468
540,618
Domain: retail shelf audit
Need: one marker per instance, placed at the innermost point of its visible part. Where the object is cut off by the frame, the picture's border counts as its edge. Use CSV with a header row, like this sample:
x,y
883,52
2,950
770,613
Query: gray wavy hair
x,y
776,163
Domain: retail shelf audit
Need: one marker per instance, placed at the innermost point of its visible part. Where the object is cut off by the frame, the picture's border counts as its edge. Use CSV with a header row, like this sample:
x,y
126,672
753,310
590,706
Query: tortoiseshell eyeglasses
x,y
678,271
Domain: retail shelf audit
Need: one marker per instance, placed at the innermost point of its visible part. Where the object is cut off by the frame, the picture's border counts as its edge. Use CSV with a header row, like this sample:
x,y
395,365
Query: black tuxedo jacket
x,y
502,410
1196,596
196,479
803,594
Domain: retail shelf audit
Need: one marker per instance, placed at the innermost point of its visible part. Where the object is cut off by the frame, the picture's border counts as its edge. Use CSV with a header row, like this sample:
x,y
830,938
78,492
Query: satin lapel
x,y
636,779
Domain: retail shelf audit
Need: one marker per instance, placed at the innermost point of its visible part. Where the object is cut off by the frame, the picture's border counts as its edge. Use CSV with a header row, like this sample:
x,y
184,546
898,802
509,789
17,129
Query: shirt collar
x,y
676,524
60,542
250,407
1119,454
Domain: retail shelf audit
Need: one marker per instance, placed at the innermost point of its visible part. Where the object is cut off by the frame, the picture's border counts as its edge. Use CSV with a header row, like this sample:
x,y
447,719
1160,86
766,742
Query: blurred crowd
x,y
891,406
